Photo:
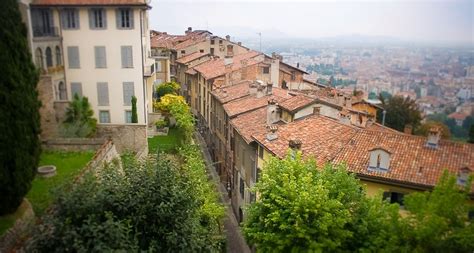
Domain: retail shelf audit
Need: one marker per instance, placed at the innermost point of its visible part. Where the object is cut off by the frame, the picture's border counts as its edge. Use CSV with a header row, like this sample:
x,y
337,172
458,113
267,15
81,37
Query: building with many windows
x,y
94,48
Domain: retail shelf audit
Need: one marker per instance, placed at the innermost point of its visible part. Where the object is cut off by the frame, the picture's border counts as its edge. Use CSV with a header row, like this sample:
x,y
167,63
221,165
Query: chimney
x,y
272,116
272,133
408,129
295,144
269,89
297,65
434,135
260,92
239,43
317,110
190,29
227,37
253,88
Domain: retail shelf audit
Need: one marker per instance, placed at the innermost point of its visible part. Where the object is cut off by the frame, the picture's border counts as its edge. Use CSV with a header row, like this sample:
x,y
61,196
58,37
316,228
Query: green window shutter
x,y
100,57
73,57
128,92
76,88
102,94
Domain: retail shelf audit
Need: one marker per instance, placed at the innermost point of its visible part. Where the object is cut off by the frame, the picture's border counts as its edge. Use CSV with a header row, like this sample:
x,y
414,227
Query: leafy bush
x,y
79,120
167,88
177,107
19,110
151,206
161,123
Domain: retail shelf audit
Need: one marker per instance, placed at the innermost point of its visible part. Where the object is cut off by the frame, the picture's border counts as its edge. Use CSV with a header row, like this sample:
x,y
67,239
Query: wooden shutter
x,y
127,56
128,92
76,88
102,94
76,18
130,15
73,57
100,57
118,18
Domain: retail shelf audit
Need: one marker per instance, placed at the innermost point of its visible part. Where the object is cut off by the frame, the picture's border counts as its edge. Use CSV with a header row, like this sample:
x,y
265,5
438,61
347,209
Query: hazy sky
x,y
416,20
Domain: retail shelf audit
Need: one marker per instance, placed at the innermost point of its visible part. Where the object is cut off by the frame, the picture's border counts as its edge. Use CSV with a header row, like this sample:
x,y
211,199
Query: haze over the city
x,y
449,21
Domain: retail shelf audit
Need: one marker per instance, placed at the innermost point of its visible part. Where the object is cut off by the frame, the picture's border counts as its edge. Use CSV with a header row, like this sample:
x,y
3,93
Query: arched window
x,y
62,91
49,57
59,59
39,58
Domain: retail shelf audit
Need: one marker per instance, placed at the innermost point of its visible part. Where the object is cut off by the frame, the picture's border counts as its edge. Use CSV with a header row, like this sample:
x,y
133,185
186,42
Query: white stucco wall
x,y
112,38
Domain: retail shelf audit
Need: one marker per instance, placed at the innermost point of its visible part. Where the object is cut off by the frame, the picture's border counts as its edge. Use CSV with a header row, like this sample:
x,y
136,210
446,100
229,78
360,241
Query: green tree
x,y
400,112
134,110
167,88
438,221
471,134
79,121
303,208
424,129
19,110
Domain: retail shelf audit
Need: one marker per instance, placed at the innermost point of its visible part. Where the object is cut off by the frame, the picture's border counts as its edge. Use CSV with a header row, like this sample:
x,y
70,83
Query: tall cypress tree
x,y
134,110
19,110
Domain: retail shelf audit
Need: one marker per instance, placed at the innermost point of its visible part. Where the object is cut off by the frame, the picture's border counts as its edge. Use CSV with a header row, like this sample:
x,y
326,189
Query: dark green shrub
x,y
19,115
134,110
80,121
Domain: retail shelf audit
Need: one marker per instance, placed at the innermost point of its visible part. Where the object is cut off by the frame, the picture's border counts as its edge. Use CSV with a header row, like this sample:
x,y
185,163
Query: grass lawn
x,y
167,144
68,164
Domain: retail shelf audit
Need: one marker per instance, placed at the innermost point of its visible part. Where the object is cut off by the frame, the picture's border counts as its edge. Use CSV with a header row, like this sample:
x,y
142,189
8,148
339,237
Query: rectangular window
x,y
128,116
104,117
259,171
103,94
97,18
213,42
124,18
394,197
70,19
100,57
76,88
183,51
201,51
266,70
158,66
128,92
212,51
293,75
73,57
127,56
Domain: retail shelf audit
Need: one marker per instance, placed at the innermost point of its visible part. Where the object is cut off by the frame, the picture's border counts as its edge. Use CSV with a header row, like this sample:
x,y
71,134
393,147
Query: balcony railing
x,y
160,54
45,31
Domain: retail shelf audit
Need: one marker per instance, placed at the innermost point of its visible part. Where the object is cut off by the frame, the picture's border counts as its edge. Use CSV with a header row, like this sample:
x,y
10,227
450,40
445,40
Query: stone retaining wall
x,y
106,154
73,144
128,137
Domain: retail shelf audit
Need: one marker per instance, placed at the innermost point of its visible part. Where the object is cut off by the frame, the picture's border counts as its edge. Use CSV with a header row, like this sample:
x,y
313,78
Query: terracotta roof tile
x,y
251,102
409,155
297,102
217,67
321,137
232,92
191,57
251,123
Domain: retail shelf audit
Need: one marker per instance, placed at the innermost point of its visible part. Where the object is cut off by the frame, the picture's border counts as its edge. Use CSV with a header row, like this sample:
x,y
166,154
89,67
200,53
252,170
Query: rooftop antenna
x,y
260,35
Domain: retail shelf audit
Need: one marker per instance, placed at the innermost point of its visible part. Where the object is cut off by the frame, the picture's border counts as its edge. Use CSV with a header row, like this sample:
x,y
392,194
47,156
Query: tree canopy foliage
x,y
19,110
179,109
304,208
140,206
400,112
79,121
167,88
424,129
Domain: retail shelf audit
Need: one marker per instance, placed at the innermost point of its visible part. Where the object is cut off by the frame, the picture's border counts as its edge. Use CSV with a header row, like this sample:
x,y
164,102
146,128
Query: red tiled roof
x,y
297,102
217,67
229,93
321,137
189,42
251,102
408,155
191,57
457,115
90,2
251,123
